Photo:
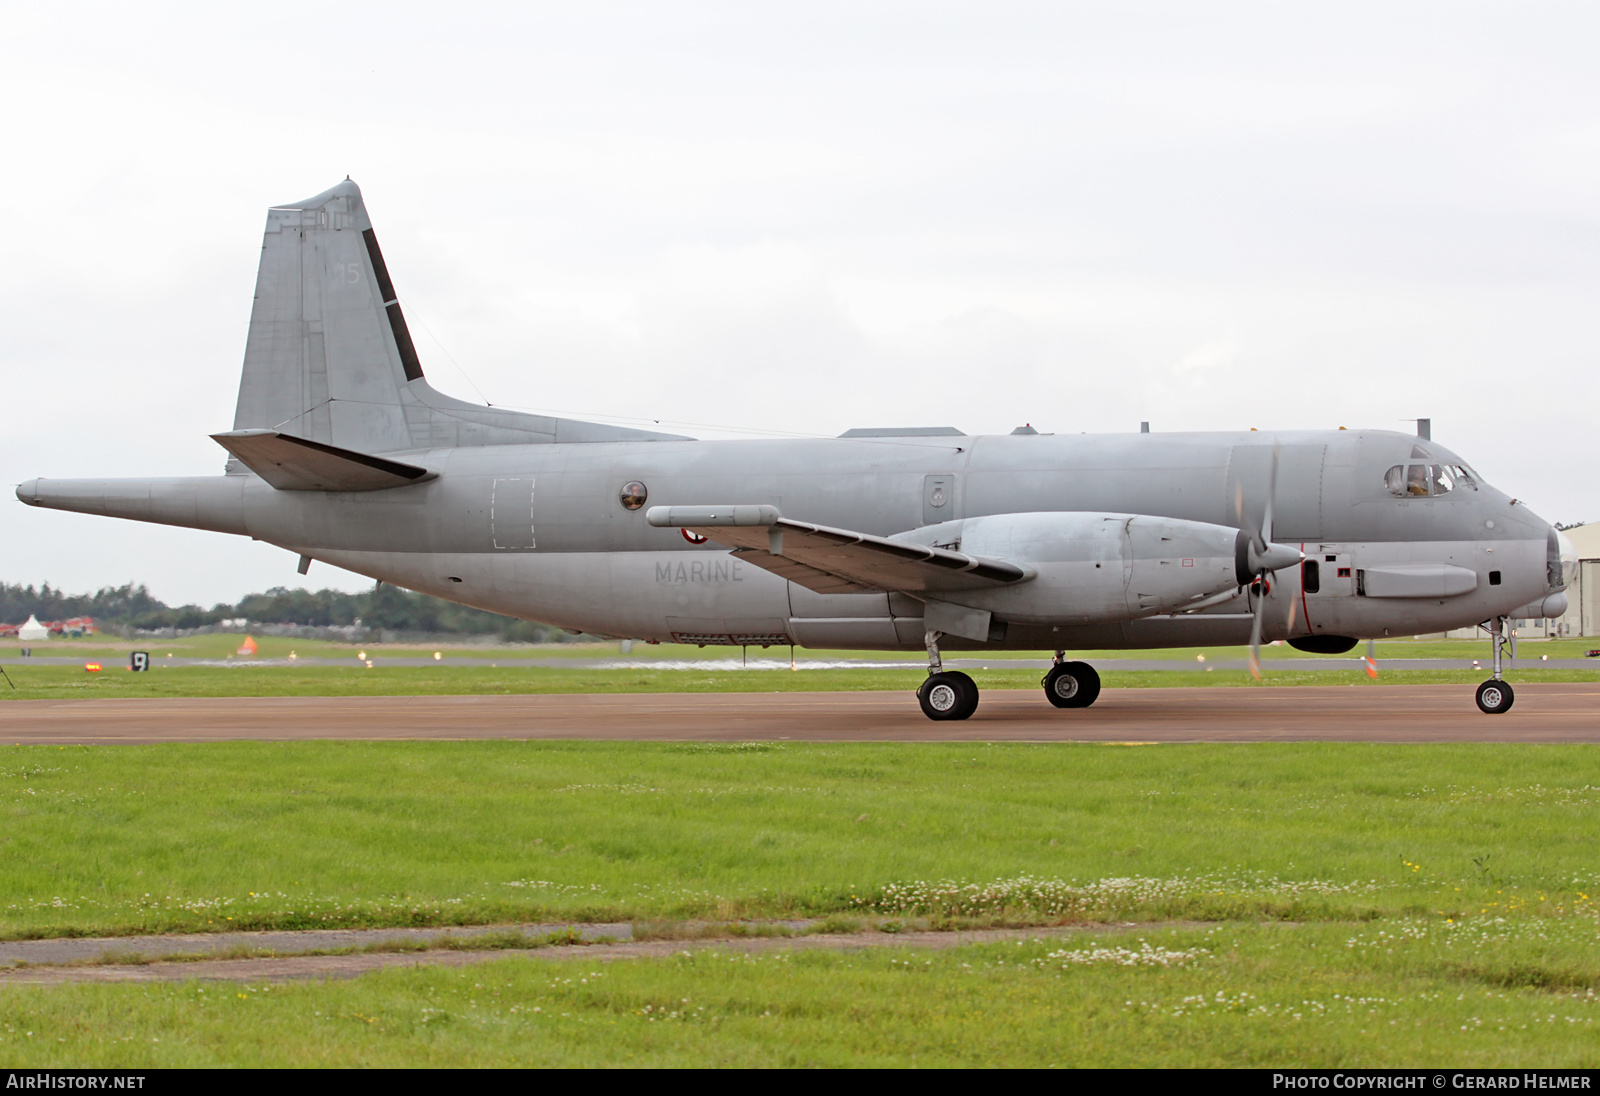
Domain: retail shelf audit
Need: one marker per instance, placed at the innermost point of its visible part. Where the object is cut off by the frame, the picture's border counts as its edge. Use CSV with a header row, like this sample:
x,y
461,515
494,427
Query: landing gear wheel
x,y
951,695
1495,697
1072,685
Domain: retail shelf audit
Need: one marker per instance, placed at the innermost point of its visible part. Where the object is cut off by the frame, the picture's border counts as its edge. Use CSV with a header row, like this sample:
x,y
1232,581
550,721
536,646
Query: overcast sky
x,y
746,218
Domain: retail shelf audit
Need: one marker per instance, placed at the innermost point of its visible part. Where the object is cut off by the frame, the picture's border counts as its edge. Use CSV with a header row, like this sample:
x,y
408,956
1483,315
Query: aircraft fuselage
x,y
541,531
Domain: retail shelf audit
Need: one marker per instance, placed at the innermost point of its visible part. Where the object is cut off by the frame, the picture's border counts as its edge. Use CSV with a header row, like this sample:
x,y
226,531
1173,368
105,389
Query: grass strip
x,y
1516,994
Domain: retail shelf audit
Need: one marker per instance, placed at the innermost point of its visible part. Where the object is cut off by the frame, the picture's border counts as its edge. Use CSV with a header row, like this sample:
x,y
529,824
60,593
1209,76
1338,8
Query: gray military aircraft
x,y
877,539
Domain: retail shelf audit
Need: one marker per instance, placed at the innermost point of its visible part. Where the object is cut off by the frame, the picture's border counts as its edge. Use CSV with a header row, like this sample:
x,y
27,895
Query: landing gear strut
x,y
1071,684
946,694
1495,696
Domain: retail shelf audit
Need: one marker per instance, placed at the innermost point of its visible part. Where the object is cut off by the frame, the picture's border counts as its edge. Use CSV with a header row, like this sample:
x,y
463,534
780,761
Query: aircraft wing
x,y
836,561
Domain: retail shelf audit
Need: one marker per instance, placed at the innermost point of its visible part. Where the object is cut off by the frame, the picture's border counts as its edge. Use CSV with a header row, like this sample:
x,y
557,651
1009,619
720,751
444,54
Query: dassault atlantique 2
x,y
899,538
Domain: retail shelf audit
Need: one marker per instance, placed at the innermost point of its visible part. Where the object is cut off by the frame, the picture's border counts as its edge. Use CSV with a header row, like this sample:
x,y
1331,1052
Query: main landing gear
x,y
1071,684
951,694
946,694
1495,696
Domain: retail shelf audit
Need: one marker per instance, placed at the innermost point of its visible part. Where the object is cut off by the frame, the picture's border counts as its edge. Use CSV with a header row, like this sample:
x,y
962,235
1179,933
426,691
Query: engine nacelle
x,y
1095,568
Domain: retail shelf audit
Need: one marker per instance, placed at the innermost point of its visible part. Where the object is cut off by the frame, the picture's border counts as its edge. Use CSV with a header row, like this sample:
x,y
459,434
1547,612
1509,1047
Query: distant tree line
x,y
132,607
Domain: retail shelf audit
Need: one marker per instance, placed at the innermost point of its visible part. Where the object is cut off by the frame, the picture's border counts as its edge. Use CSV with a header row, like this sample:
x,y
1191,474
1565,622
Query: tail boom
x,y
199,502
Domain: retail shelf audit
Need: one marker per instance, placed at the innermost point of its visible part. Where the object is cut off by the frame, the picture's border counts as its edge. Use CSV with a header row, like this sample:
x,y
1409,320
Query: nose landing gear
x,y
1495,696
1071,684
945,694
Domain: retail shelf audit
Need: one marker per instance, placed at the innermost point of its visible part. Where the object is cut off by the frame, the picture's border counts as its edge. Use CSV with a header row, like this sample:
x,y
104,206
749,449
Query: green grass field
x,y
1423,995
1291,904
207,836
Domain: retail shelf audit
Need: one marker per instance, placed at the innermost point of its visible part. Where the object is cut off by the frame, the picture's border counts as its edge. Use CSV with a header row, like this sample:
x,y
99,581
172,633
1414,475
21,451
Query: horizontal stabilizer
x,y
296,464
835,561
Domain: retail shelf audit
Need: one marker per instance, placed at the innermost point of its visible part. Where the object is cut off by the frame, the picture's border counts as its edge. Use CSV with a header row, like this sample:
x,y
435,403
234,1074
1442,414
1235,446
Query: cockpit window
x,y
1424,480
1417,480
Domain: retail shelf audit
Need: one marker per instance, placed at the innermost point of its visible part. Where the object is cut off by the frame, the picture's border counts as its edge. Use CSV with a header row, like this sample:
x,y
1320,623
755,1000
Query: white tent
x,y
33,629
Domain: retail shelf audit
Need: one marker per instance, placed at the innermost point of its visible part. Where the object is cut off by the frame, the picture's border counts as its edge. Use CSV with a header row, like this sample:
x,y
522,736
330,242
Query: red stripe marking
x,y
1304,609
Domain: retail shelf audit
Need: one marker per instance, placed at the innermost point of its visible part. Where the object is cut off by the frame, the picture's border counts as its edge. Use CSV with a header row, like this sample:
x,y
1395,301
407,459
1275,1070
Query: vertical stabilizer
x,y
330,358
328,352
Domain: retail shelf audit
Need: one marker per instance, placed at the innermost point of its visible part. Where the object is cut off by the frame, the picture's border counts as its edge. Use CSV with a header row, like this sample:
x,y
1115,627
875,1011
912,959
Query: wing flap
x,y
821,582
836,561
298,464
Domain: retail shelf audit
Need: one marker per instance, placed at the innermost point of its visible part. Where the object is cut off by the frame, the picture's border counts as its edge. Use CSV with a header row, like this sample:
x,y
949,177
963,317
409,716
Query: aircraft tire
x,y
948,696
1072,685
1495,697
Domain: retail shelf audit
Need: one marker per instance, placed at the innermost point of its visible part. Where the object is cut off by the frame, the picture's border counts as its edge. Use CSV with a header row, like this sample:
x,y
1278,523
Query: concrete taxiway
x,y
1544,712
285,968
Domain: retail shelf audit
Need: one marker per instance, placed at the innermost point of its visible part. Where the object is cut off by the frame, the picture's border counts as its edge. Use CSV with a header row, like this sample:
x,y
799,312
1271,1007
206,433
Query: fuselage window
x,y
633,495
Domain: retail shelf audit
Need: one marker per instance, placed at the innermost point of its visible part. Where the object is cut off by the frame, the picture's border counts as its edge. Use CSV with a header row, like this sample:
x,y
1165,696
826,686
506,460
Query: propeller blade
x,y
1255,631
1272,493
1263,555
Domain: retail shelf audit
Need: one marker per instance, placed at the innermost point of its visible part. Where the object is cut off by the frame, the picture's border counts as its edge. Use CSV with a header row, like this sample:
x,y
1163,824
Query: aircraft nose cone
x,y
29,492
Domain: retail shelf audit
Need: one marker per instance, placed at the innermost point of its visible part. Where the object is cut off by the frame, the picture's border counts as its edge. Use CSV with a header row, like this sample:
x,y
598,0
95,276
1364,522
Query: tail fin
x,y
329,356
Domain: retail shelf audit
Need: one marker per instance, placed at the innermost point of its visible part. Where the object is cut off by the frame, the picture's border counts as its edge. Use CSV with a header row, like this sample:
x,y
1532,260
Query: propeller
x,y
1262,557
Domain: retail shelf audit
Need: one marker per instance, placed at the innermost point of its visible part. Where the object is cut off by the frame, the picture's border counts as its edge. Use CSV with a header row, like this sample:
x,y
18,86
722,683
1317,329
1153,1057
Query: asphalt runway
x,y
1544,712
